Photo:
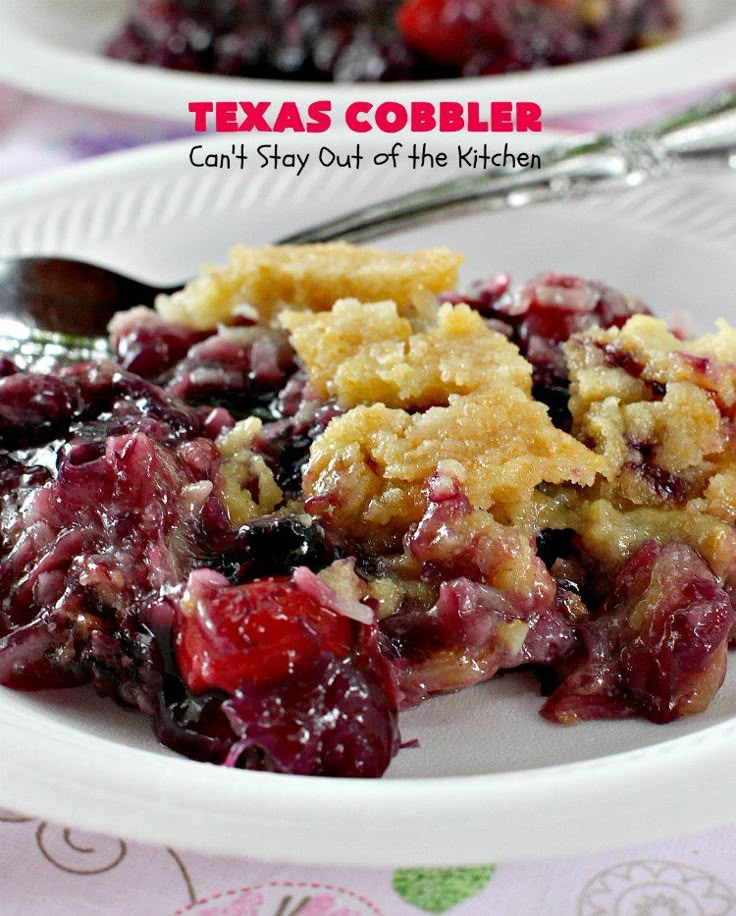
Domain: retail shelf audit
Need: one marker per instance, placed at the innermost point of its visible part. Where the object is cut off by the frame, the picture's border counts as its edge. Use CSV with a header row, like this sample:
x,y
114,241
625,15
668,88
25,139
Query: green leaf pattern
x,y
437,890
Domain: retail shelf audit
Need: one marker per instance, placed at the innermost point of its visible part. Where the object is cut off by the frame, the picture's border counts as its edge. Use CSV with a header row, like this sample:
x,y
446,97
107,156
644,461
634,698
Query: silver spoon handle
x,y
703,135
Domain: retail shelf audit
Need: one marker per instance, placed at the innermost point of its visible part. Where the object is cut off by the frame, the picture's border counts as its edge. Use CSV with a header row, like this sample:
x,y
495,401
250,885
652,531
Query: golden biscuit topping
x,y
657,408
246,483
368,471
660,411
366,354
257,283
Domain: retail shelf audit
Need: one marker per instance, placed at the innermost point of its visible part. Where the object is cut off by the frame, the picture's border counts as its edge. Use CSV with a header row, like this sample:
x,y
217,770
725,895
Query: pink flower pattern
x,y
247,903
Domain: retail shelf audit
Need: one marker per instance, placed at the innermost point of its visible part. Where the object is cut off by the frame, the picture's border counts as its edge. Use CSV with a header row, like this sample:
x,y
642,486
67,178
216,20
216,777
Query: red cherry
x,y
255,634
431,28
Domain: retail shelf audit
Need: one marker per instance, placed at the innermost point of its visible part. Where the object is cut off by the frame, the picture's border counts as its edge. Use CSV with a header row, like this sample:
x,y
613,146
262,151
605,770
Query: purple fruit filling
x,y
282,641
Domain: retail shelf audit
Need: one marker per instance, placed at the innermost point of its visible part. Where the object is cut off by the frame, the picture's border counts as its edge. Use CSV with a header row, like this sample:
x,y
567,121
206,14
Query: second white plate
x,y
52,47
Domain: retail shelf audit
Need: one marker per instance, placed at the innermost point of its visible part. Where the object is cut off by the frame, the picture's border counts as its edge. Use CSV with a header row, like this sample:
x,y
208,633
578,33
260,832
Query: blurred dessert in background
x,y
385,40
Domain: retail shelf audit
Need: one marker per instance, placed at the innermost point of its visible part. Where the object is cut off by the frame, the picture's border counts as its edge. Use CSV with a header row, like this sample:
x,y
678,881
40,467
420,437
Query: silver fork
x,y
701,136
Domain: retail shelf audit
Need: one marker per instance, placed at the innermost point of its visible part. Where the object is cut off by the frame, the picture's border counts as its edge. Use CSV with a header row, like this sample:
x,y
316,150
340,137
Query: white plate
x,y
52,47
491,778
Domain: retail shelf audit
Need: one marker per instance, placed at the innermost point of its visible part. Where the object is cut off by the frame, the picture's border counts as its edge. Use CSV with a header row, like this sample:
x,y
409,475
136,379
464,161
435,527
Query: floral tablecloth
x,y
50,869
54,869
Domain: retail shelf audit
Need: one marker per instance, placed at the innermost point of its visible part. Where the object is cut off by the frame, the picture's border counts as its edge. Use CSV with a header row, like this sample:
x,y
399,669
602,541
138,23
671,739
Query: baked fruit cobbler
x,y
315,489
381,40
